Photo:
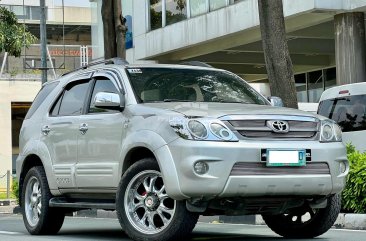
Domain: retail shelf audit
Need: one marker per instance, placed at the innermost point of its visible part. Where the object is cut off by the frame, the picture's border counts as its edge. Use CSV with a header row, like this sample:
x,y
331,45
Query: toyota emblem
x,y
278,126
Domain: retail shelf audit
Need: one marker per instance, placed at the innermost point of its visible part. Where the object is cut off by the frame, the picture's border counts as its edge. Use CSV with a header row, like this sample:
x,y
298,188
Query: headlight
x,y
197,129
221,131
330,132
204,129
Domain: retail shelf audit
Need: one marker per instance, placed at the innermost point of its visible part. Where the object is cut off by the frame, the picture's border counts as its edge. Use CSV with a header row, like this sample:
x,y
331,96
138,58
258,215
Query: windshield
x,y
348,112
176,85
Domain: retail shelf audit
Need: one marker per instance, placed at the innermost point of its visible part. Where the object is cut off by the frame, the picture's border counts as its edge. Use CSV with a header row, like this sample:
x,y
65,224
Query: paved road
x,y
77,229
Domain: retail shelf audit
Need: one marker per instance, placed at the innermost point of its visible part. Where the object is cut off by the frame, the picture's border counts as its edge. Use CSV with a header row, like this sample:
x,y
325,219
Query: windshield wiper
x,y
177,100
233,102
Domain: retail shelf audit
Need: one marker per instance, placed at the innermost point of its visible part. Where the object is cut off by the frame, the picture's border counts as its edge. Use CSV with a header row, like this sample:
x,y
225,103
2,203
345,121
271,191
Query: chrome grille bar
x,y
249,127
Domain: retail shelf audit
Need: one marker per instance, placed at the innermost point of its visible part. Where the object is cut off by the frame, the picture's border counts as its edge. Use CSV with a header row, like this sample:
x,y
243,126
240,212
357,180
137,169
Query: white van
x,y
346,105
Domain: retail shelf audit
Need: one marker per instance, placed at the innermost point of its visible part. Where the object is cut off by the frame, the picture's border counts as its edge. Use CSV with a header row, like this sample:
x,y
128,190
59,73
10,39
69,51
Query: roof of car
x,y
173,66
344,90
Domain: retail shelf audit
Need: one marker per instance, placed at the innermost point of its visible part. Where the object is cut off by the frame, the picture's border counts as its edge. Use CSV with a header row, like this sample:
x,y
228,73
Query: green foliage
x,y
354,195
15,189
13,35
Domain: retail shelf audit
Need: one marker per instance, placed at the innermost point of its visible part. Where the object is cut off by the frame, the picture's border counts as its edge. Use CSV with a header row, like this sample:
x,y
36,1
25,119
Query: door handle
x,y
46,130
83,128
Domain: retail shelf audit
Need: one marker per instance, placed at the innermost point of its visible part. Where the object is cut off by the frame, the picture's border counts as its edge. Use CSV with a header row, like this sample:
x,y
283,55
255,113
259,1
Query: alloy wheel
x,y
148,207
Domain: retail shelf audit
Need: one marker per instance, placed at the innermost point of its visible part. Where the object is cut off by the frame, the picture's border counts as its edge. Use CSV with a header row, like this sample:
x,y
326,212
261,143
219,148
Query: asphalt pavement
x,y
12,229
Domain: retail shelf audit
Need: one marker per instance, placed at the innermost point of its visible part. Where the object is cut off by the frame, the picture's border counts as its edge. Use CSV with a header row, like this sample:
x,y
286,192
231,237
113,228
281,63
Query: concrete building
x,y
69,43
322,35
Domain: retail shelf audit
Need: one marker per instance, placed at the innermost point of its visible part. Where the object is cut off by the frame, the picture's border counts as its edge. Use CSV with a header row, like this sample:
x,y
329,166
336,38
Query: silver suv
x,y
163,144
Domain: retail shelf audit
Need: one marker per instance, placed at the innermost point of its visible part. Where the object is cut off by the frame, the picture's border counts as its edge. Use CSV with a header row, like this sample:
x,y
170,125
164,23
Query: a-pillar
x,y
350,47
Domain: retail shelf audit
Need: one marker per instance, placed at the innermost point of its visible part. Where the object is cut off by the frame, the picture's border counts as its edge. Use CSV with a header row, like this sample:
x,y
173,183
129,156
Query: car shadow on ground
x,y
113,234
239,237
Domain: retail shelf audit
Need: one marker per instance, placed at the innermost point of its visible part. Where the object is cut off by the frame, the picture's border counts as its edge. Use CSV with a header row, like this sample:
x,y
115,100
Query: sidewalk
x,y
344,221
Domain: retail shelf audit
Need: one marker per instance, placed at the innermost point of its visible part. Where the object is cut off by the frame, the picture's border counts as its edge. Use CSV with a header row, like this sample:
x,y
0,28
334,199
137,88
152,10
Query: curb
x,y
8,202
7,206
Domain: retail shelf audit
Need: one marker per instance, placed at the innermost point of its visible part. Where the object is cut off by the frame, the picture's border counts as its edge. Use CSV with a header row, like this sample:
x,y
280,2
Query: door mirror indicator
x,y
276,101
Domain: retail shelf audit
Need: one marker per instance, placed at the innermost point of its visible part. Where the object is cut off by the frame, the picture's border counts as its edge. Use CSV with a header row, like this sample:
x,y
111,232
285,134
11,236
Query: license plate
x,y
280,158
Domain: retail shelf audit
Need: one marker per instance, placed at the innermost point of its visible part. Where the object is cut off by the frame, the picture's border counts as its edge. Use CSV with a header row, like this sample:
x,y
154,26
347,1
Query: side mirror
x,y
108,100
276,101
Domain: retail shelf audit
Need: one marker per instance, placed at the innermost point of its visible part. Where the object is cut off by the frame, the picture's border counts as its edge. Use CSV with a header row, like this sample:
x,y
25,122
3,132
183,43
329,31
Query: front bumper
x,y
178,158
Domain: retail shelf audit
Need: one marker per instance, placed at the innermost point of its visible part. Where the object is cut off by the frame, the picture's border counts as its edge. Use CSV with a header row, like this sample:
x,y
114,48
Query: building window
x,y
176,10
310,86
330,78
216,4
35,13
198,7
315,86
156,14
235,1
300,83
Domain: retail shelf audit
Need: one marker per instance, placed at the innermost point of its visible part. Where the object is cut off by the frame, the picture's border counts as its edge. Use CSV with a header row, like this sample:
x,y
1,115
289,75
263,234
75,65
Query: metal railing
x,y
60,59
5,184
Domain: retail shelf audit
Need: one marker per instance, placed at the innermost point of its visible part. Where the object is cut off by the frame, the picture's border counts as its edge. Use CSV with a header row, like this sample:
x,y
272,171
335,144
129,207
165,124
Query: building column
x,y
5,132
350,48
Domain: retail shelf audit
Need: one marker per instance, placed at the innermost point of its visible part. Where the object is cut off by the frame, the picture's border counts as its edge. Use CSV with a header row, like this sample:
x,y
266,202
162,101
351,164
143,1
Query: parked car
x,y
163,144
309,107
346,105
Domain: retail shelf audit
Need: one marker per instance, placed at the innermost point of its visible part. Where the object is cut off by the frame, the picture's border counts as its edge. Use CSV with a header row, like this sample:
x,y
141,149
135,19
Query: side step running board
x,y
61,202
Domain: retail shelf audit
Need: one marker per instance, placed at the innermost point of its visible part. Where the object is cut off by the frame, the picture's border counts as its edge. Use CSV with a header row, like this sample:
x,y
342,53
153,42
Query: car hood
x,y
216,110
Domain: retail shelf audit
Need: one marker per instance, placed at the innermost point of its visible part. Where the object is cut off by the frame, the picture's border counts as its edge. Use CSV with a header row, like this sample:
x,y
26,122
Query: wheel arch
x,y
145,144
135,154
30,161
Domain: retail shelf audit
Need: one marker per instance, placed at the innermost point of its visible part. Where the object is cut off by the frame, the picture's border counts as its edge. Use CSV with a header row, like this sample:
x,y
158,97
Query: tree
x,y
13,35
277,56
114,29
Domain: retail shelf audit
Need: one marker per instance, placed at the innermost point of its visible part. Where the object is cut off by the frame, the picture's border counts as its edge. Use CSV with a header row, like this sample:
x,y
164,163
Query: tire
x,y
292,225
38,217
145,212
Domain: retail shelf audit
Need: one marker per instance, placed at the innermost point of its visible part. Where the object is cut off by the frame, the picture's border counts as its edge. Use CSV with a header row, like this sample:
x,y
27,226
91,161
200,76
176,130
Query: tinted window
x,y
41,96
102,85
165,84
348,112
73,99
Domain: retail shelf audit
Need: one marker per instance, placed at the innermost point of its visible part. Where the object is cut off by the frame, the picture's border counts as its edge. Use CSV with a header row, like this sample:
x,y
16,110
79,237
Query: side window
x,y
72,101
41,96
102,85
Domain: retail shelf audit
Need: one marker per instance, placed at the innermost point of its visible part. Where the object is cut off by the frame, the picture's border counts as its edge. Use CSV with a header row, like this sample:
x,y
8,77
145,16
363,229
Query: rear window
x,y
348,112
41,96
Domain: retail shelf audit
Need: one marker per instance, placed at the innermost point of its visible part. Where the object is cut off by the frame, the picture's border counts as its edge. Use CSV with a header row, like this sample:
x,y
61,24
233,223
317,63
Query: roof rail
x,y
116,60
196,63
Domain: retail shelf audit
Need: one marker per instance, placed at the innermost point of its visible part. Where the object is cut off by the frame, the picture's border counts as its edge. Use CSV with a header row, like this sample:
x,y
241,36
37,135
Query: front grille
x,y
257,168
259,129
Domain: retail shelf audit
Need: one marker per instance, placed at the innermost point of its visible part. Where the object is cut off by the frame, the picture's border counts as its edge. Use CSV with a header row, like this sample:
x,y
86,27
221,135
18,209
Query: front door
x,y
99,145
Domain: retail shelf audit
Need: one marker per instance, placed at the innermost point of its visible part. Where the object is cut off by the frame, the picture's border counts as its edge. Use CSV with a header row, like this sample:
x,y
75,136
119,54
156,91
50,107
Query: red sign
x,y
69,52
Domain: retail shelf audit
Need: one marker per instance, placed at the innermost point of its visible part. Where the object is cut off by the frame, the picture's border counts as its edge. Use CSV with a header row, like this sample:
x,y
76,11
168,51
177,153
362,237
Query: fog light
x,y
342,167
200,167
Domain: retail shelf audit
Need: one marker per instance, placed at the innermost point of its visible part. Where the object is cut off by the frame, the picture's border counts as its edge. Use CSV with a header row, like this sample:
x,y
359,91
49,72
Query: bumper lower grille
x,y
254,169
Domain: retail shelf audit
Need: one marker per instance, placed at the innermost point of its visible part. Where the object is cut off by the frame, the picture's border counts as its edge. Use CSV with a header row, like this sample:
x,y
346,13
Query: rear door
x,y
99,146
61,129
